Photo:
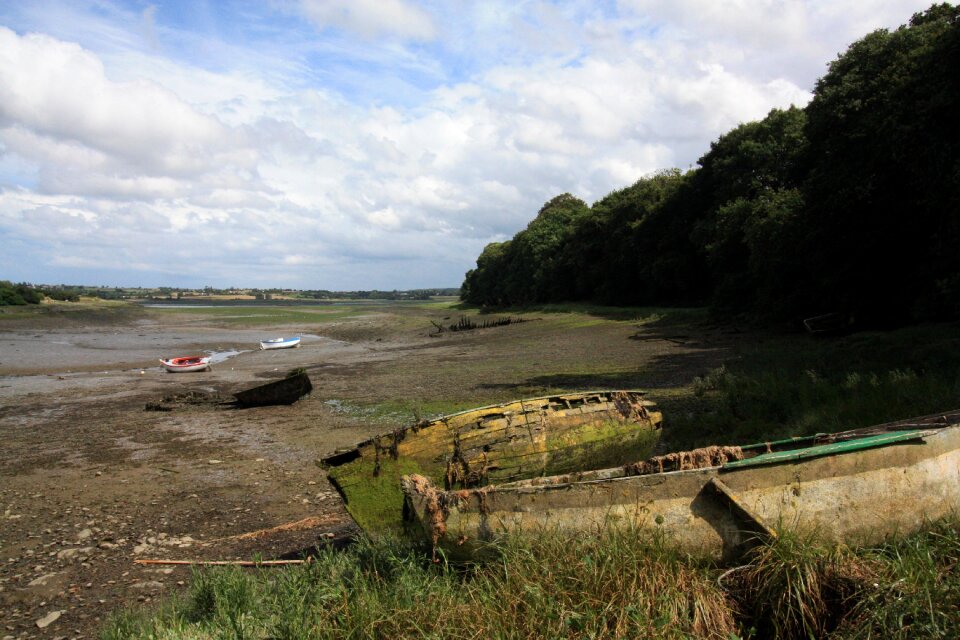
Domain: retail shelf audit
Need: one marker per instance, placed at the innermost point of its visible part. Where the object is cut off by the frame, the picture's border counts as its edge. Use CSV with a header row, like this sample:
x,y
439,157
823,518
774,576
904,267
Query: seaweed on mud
x,y
186,400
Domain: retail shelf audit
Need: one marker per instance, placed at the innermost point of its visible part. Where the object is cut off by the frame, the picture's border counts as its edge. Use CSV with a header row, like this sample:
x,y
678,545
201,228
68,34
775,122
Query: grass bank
x,y
52,314
776,386
619,585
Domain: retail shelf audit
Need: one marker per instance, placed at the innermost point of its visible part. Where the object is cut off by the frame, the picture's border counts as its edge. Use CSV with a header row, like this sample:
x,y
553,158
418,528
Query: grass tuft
x,y
918,595
797,586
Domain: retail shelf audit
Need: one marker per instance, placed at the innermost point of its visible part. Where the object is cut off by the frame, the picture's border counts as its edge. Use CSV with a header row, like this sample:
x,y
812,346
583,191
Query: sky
x,y
363,144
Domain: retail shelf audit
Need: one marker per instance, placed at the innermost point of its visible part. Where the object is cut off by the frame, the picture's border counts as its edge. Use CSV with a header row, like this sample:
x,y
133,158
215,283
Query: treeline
x,y
24,293
18,294
849,205
27,293
410,294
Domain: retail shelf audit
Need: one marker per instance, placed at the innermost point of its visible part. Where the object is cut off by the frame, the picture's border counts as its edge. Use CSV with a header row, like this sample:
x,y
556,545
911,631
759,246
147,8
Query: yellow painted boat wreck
x,y
499,443
855,486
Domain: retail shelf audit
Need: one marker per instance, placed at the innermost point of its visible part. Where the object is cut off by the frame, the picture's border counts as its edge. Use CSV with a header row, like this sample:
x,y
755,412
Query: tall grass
x,y
919,596
614,586
781,387
797,586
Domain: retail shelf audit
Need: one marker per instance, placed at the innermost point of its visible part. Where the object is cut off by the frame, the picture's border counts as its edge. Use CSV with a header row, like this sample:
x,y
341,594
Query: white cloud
x,y
58,90
371,18
122,153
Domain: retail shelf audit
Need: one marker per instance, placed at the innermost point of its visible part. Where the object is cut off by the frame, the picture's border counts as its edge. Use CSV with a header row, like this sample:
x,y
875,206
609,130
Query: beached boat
x,y
856,486
186,363
280,343
829,324
498,443
285,391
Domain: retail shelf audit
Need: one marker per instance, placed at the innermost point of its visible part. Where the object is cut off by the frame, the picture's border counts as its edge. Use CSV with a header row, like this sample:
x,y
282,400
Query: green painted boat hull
x,y
856,487
494,444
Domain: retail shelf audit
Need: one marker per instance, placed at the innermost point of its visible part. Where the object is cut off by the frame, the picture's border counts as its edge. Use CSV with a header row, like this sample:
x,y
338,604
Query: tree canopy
x,y
18,294
849,204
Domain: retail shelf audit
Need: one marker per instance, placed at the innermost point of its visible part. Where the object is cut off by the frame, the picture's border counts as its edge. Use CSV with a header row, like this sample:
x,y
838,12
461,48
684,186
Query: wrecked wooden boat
x,y
856,486
829,324
285,391
499,443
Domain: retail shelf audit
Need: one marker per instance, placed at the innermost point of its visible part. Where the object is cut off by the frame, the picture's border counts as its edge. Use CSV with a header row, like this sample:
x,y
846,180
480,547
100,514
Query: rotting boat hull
x,y
499,443
858,490
284,391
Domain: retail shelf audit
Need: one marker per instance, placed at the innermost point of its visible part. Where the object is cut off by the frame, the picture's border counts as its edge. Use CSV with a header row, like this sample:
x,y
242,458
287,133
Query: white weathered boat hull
x,y
856,497
284,343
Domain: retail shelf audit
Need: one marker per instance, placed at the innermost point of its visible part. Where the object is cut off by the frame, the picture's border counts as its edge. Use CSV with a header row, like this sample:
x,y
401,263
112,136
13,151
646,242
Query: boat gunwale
x,y
523,487
663,476
470,517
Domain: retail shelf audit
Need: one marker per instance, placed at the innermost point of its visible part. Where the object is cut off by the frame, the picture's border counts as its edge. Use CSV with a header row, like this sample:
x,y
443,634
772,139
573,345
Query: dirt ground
x,y
91,481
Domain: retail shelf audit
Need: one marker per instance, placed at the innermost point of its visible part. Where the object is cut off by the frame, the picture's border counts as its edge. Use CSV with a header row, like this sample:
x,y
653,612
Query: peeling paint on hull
x,y
855,494
500,443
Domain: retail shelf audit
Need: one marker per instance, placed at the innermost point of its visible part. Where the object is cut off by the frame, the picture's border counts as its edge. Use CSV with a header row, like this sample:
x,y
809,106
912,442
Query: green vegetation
x,y
849,205
619,585
375,496
73,293
393,413
793,386
18,294
918,595
553,588
231,315
413,294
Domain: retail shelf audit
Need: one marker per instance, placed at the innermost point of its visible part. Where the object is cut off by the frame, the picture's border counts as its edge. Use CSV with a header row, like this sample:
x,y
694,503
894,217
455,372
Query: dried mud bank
x,y
91,482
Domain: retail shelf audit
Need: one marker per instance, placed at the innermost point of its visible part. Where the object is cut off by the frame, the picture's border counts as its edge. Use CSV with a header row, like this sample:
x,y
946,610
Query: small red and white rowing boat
x,y
188,363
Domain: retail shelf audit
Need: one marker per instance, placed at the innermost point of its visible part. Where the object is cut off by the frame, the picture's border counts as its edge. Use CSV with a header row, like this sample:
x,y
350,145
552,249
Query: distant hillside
x,y
26,293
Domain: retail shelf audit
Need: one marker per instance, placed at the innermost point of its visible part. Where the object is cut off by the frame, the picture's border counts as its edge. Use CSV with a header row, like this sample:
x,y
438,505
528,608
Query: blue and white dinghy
x,y
280,343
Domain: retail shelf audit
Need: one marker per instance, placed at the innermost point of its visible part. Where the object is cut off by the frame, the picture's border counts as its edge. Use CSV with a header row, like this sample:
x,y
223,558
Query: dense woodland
x,y
848,205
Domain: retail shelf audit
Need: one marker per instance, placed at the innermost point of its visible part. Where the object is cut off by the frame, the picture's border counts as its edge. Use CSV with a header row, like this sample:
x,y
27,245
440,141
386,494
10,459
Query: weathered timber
x,y
285,391
228,563
499,443
829,324
855,486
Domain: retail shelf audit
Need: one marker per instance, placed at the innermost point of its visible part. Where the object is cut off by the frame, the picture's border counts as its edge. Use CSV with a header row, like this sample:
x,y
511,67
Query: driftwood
x,y
297,525
237,563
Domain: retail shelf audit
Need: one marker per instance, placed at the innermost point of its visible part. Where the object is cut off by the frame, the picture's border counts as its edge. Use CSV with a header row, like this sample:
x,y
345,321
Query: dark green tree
x,y
484,285
634,247
533,266
19,294
746,192
883,215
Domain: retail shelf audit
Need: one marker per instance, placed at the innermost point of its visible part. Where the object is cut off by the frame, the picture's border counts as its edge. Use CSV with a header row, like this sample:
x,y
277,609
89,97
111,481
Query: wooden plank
x,y
740,509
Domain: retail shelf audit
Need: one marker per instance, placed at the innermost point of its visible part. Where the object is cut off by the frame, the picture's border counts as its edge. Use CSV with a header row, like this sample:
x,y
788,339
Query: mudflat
x,y
106,459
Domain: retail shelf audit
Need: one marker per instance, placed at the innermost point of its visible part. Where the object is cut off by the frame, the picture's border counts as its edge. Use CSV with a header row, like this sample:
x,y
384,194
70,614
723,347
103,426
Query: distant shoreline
x,y
159,303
